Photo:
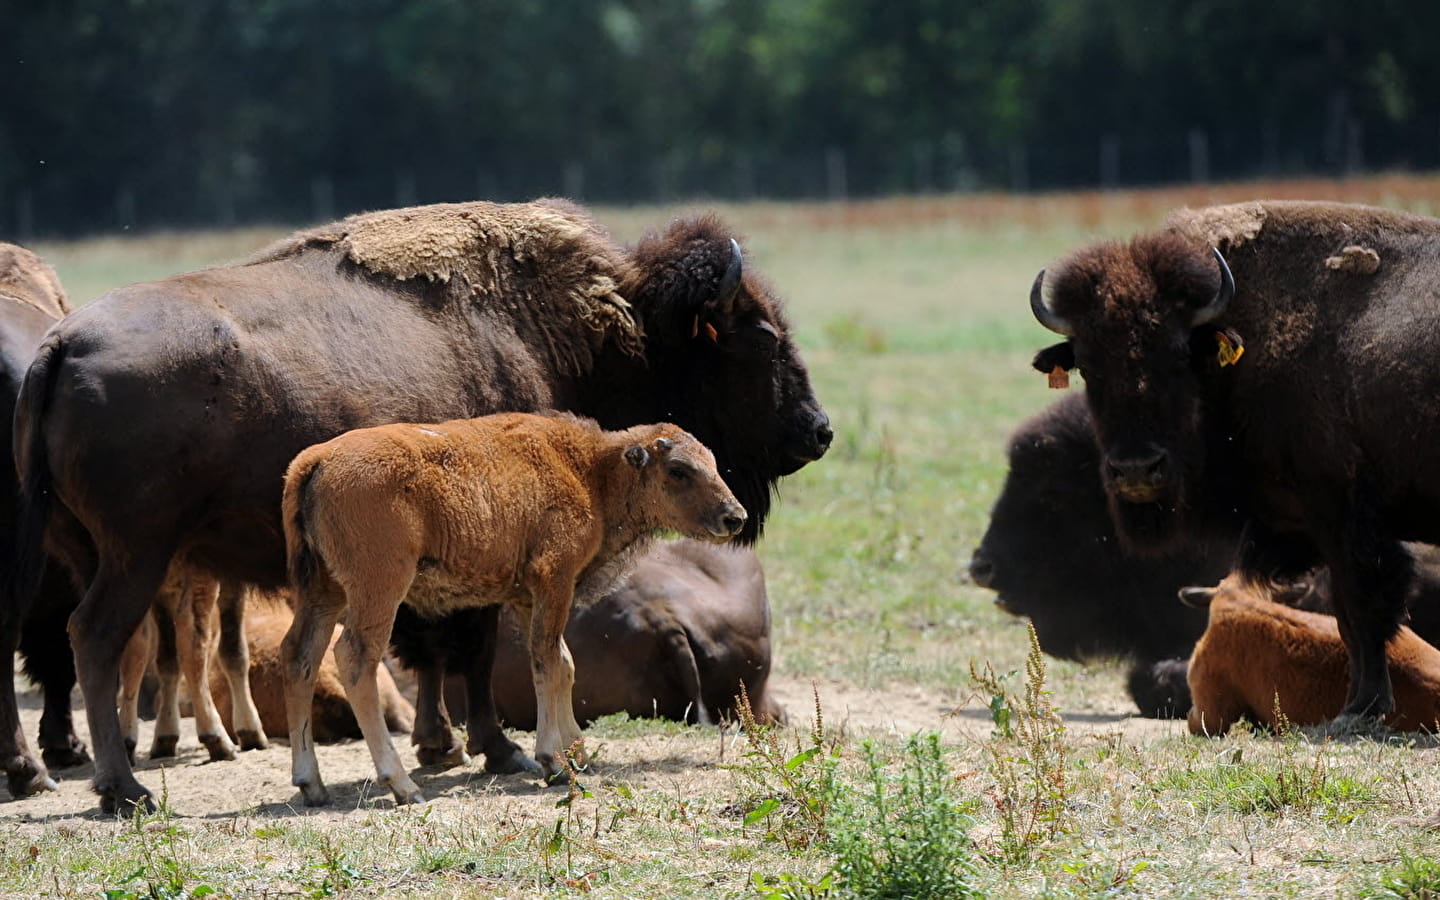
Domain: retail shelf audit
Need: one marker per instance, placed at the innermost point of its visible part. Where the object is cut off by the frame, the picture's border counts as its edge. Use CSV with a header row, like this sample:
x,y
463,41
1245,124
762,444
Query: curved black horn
x,y
1216,308
1043,314
730,281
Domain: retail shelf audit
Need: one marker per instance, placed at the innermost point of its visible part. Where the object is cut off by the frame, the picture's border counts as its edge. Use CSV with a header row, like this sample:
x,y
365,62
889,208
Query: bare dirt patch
x,y
685,760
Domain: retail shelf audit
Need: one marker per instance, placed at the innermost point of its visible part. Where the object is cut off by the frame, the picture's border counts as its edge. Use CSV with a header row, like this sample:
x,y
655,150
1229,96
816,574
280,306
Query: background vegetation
x,y
143,113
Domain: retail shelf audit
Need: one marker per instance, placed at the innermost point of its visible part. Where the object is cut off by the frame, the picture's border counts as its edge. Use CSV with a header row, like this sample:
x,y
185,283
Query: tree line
x,y
143,113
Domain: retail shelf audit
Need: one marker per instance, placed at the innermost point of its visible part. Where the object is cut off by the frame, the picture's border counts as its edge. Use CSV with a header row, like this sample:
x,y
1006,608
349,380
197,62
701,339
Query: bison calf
x,y
517,509
1259,659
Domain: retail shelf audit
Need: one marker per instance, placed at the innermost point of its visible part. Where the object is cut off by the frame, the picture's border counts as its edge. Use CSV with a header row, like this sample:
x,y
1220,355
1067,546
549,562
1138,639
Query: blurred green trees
x,y
147,112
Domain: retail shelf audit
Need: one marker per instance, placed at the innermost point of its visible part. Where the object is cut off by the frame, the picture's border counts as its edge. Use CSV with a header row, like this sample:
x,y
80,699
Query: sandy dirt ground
x,y
257,783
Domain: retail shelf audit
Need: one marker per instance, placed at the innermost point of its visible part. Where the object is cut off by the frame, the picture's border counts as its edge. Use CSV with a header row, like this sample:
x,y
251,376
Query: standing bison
x,y
157,422
1277,358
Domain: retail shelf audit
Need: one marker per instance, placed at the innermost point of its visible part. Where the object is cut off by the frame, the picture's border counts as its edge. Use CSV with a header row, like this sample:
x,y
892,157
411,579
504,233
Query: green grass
x,y
918,338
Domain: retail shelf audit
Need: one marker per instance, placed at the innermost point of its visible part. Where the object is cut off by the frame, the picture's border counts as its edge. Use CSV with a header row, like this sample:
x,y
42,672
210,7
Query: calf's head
x,y
679,487
1140,323
717,340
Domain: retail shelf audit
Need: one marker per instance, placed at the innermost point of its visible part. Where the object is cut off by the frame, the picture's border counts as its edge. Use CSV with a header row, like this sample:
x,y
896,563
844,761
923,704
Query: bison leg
x,y
195,630
357,655
167,667
49,663
113,608
483,732
235,661
25,773
1159,688
1370,576
556,730
302,651
433,737
139,651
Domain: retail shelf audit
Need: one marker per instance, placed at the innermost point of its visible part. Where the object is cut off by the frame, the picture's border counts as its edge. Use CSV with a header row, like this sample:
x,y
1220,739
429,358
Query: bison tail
x,y
32,462
304,565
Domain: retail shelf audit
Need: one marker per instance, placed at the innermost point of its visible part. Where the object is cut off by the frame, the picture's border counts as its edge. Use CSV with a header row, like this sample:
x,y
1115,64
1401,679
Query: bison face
x,y
682,489
1135,316
718,344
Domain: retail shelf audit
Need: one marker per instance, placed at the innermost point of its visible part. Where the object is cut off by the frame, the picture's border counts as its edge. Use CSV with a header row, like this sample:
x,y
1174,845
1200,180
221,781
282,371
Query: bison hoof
x,y
27,779
1347,724
126,801
515,762
219,746
163,746
314,794
443,758
68,757
404,798
252,740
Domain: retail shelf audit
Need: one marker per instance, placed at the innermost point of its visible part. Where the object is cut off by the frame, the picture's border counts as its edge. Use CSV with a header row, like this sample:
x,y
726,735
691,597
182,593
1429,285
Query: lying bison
x,y
1276,358
1261,661
31,300
157,423
1051,553
538,513
679,638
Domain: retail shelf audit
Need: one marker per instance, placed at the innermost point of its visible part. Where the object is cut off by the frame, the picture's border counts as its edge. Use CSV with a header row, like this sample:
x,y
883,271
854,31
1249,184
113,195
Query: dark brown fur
x,y
1259,660
1320,435
535,512
157,425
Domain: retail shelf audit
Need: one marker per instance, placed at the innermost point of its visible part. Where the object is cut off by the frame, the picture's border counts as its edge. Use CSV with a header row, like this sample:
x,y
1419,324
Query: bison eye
x,y
679,473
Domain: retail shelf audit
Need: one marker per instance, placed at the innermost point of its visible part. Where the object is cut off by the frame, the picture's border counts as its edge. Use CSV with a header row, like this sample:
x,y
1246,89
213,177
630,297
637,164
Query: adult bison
x,y
1051,553
1278,357
31,300
157,421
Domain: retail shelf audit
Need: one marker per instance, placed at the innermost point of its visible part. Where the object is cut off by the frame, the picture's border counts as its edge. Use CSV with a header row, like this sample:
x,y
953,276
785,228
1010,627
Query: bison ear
x,y
637,456
1061,355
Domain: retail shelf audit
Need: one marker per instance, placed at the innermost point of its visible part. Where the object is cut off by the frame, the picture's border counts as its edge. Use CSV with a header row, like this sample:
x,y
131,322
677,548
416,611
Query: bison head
x,y
680,488
1051,553
1138,318
721,363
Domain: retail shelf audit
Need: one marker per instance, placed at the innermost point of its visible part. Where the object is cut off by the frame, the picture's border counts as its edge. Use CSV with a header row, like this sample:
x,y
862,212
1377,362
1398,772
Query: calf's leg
x,y
554,671
167,667
235,663
139,651
316,612
357,654
195,628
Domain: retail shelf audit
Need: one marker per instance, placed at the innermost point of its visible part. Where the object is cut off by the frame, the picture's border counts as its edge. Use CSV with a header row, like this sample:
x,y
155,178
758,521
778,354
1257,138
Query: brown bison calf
x,y
525,510
1259,659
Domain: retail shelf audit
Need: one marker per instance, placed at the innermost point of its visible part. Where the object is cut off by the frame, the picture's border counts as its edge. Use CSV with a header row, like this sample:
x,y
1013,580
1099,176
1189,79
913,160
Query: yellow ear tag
x,y
1229,348
1059,378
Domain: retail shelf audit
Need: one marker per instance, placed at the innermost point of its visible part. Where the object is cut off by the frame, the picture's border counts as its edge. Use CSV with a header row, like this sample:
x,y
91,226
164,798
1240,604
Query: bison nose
x,y
823,435
982,570
1138,479
733,523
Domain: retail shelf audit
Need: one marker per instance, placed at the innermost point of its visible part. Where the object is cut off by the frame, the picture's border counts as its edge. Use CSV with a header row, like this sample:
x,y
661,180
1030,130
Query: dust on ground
x,y
685,760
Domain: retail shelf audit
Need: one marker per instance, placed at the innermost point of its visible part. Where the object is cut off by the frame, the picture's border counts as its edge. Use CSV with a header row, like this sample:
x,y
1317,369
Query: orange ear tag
x,y
1059,378
1229,348
711,333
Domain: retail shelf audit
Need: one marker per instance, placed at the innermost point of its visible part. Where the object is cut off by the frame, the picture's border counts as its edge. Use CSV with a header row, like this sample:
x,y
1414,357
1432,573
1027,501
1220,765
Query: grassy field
x,y
913,318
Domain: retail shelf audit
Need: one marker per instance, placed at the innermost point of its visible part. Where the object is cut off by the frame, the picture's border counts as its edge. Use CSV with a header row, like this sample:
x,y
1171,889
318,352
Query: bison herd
x,y
455,430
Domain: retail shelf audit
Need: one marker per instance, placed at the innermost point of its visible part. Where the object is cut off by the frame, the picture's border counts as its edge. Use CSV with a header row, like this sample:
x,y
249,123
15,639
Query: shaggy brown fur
x,y
157,425
526,510
1320,437
28,279
1259,660
547,263
267,618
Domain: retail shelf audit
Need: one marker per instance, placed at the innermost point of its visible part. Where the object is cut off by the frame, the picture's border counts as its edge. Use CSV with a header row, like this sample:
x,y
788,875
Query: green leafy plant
x,y
1413,878
791,788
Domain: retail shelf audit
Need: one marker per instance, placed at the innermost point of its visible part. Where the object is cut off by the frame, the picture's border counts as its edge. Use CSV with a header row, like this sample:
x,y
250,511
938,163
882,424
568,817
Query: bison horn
x,y
1043,314
1216,308
730,282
